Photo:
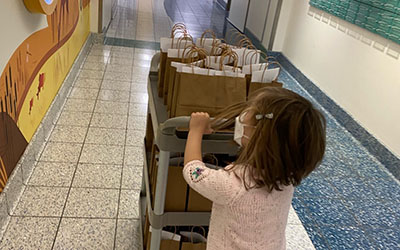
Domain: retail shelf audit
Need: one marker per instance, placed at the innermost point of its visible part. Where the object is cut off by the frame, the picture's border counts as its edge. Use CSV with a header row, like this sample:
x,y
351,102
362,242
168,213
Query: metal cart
x,y
167,141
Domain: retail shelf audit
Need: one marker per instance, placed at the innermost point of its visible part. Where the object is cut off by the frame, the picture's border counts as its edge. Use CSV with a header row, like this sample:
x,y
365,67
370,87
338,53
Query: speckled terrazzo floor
x,y
84,190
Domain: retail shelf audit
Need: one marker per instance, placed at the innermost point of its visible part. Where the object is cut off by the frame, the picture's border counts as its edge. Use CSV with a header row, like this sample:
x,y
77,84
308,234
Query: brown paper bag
x,y
207,93
175,198
252,60
176,66
194,241
177,55
194,246
178,29
265,78
198,203
164,244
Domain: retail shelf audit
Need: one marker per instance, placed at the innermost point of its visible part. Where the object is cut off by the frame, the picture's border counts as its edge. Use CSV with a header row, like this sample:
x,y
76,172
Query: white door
x,y
238,13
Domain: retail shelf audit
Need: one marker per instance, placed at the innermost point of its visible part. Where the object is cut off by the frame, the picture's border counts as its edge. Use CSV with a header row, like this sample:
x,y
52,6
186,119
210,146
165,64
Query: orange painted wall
x,y
33,75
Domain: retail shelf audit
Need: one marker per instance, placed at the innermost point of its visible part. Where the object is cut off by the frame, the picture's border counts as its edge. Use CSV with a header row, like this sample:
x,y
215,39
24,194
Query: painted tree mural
x,y
19,76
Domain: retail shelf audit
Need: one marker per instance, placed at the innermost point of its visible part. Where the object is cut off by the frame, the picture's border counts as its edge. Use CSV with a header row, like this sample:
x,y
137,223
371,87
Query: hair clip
x,y
261,116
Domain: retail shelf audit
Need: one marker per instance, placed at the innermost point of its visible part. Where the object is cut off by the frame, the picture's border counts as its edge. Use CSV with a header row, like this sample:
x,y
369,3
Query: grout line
x,y
123,158
85,163
80,154
78,217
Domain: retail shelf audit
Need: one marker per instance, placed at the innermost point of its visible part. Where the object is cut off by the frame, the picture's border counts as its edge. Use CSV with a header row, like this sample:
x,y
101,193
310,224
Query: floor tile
x,y
122,54
94,66
102,154
316,187
141,63
138,88
106,136
122,49
353,188
329,211
120,61
145,52
137,122
98,59
347,238
137,109
385,188
134,137
125,76
84,93
144,56
318,240
385,238
119,68
99,46
89,234
61,152
71,118
373,213
79,105
129,204
94,74
297,238
109,121
140,71
30,233
97,176
92,203
133,156
42,201
132,177
100,52
111,107
139,98
116,85
87,83
114,95
293,219
52,174
63,133
128,235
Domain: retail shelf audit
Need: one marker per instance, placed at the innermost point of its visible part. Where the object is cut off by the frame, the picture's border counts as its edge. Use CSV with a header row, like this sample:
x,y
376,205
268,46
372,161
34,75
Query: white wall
x,y
16,26
266,40
256,17
94,16
357,69
107,6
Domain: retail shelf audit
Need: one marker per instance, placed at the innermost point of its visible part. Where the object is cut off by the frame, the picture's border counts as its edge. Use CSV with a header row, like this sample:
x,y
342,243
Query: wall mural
x,y
46,7
33,75
381,17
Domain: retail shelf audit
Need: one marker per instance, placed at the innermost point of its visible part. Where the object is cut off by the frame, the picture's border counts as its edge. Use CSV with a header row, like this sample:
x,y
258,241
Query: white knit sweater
x,y
240,219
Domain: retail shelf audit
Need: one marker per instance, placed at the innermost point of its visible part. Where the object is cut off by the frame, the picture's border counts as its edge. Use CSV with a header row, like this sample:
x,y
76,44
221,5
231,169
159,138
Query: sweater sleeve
x,y
219,186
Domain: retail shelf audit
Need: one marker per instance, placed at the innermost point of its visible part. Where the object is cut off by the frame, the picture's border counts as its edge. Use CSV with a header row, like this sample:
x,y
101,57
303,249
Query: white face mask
x,y
239,131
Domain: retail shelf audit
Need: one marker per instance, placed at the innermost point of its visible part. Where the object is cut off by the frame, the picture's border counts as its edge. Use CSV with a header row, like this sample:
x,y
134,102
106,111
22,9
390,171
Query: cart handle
x,y
169,126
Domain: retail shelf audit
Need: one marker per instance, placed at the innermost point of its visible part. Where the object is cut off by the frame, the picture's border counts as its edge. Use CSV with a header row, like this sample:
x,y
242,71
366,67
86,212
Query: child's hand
x,y
200,122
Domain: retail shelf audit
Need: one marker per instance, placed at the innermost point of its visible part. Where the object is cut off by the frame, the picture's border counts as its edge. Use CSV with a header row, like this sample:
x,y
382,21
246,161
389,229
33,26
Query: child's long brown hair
x,y
282,150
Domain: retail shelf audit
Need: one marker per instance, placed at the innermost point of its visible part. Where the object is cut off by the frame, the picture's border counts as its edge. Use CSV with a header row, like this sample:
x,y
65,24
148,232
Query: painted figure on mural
x,y
18,87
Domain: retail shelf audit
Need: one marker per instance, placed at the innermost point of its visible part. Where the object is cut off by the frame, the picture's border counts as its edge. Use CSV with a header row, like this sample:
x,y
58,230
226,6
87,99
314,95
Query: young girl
x,y
282,139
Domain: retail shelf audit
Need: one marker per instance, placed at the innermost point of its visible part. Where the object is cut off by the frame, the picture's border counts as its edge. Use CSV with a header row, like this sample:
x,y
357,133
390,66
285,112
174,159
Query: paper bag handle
x,y
245,41
187,38
231,54
279,72
191,233
202,38
234,34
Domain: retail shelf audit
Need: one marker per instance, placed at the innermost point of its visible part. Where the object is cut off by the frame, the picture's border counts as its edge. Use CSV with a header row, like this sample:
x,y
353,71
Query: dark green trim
x,y
131,43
